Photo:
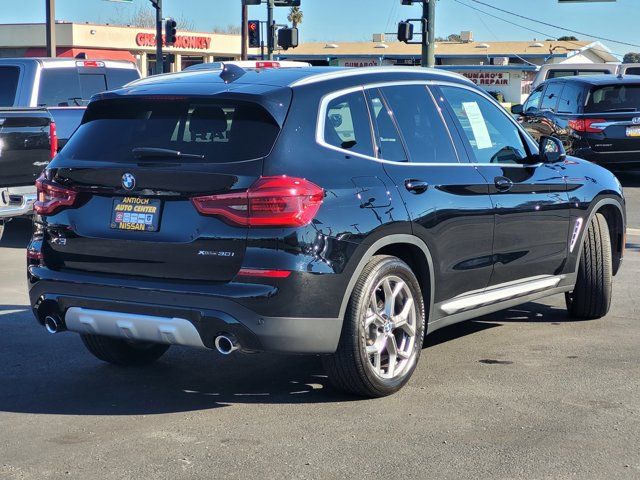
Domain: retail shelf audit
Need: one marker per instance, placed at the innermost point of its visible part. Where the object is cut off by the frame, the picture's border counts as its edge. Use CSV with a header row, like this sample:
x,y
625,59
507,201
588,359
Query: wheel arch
x,y
614,213
408,248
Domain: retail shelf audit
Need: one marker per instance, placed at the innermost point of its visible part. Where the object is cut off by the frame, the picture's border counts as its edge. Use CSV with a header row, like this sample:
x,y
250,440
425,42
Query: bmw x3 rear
x,y
250,211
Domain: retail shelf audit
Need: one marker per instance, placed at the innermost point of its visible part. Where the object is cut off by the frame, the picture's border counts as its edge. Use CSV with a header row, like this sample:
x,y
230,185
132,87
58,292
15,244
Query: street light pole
x,y
51,27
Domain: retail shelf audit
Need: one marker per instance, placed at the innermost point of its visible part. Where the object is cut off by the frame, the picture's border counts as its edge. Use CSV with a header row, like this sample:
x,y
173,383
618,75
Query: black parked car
x,y
596,117
324,211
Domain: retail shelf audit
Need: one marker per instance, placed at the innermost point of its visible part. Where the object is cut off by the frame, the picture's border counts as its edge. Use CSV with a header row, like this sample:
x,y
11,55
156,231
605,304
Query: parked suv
x,y
325,211
597,118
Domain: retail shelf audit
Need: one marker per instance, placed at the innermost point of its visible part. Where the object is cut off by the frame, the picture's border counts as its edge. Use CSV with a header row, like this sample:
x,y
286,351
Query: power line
x,y
547,35
555,26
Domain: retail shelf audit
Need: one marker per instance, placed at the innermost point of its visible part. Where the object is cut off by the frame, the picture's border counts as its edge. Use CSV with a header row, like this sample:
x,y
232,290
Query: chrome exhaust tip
x,y
226,344
54,324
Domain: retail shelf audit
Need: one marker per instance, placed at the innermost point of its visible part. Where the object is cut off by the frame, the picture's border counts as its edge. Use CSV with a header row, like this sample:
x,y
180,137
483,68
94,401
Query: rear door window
x,y
388,140
614,98
9,78
424,132
551,96
347,125
219,131
570,99
532,105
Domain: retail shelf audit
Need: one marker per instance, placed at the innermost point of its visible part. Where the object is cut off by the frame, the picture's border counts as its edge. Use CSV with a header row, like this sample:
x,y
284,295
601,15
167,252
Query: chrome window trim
x,y
326,99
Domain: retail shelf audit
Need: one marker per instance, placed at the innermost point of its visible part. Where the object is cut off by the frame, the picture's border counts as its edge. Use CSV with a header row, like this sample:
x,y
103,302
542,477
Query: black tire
x,y
2,223
121,352
350,368
591,297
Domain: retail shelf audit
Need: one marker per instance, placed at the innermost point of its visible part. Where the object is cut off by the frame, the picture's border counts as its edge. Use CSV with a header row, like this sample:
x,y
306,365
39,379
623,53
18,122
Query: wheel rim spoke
x,y
390,337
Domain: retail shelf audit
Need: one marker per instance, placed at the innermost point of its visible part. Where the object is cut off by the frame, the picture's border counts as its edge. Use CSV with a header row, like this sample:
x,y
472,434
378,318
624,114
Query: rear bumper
x,y
17,201
174,317
610,159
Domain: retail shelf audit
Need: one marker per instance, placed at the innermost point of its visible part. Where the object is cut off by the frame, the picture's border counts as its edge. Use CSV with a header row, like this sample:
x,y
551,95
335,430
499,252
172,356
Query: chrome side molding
x,y
500,293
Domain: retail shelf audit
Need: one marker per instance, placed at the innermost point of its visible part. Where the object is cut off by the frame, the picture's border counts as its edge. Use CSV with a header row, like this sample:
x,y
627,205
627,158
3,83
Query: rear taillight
x,y
53,139
52,197
269,202
586,125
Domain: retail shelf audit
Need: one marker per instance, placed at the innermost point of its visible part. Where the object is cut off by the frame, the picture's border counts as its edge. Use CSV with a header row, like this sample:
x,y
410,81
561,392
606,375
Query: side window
x,y
632,71
388,140
551,96
532,105
561,73
420,124
347,125
494,138
59,87
570,99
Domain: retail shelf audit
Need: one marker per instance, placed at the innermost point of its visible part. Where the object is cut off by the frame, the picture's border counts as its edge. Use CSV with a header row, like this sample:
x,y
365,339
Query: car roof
x,y
70,61
296,77
599,80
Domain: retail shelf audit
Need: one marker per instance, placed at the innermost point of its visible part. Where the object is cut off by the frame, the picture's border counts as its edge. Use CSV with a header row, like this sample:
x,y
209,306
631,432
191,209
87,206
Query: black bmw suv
x,y
326,211
596,117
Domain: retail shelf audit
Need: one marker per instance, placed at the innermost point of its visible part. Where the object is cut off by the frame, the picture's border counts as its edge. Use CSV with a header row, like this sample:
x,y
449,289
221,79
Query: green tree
x,y
568,38
631,57
295,16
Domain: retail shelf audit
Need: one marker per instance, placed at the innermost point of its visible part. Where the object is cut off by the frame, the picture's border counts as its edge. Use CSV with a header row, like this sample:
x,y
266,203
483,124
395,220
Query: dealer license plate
x,y
136,214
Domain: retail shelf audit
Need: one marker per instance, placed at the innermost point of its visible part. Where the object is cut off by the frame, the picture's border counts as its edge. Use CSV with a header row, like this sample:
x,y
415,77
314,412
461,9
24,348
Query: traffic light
x,y
405,32
288,38
254,34
170,31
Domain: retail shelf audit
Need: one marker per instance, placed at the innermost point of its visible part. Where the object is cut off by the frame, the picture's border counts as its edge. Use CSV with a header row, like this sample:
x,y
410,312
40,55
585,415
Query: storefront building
x,y
117,43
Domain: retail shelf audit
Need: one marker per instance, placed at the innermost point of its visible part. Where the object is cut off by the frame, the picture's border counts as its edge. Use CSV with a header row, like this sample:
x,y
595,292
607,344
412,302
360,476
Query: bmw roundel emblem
x,y
128,181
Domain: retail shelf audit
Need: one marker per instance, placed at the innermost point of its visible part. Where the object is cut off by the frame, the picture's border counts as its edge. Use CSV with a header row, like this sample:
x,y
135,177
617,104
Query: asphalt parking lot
x,y
525,393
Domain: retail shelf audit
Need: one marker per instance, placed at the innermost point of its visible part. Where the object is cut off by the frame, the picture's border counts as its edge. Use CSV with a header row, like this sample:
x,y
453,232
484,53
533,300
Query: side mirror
x,y
517,109
551,150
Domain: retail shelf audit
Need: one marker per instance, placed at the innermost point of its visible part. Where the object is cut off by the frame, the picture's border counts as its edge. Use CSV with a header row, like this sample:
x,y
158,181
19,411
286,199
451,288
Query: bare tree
x,y
230,29
146,18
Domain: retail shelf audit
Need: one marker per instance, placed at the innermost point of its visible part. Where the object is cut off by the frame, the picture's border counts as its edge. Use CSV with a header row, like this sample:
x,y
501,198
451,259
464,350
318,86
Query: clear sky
x,y
343,20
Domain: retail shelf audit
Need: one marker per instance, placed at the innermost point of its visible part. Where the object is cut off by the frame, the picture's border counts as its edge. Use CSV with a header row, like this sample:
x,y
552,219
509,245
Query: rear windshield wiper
x,y
147,152
627,109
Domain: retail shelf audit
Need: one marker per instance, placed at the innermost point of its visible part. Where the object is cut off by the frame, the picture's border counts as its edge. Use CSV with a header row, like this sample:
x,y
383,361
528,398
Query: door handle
x,y
416,186
503,184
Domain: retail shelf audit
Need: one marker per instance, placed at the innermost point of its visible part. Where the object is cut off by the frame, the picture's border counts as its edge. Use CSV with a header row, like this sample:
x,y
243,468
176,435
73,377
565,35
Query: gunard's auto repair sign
x,y
488,79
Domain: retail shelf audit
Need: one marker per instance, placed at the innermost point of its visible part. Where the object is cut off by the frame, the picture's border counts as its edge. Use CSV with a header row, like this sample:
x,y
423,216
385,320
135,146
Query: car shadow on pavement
x,y
17,234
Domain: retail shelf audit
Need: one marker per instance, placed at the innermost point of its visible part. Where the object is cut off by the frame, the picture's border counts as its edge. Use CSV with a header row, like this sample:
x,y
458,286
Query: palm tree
x,y
295,16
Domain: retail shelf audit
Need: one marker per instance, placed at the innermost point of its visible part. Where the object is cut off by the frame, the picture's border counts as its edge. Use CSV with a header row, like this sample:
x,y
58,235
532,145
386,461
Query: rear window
x,y
220,131
632,71
66,87
9,77
613,98
573,73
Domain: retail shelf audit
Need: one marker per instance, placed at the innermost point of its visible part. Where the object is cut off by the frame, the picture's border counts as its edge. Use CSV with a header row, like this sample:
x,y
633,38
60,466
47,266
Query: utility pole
x,y
51,28
245,31
270,29
430,52
157,4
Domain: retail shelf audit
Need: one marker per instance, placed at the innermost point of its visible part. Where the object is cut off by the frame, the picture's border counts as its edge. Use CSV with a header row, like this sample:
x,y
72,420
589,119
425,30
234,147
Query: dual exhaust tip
x,y
54,324
226,343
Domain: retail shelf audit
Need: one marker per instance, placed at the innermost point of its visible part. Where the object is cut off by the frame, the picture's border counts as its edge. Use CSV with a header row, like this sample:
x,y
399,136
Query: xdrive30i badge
x,y
128,181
